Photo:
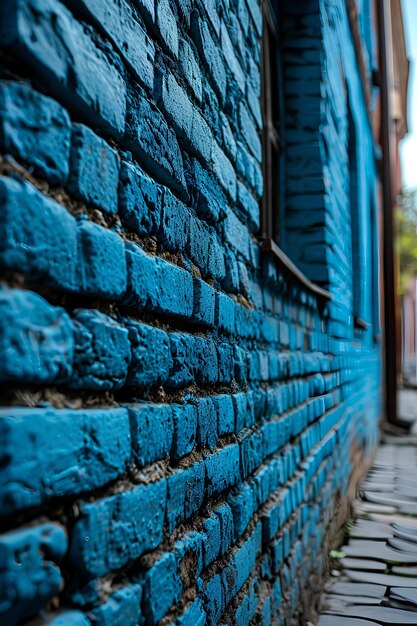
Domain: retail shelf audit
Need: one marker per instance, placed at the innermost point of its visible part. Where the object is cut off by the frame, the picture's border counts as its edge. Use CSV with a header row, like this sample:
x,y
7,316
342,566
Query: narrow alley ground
x,y
375,577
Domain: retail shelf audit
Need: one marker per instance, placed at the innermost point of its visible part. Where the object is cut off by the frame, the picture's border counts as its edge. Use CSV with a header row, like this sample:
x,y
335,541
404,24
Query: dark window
x,y
272,105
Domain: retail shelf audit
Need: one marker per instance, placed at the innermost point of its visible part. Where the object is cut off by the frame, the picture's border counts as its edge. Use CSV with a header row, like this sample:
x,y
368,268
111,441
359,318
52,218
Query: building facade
x,y
190,312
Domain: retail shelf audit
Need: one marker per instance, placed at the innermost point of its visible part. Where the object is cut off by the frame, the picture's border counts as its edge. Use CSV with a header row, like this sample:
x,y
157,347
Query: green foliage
x,y
406,242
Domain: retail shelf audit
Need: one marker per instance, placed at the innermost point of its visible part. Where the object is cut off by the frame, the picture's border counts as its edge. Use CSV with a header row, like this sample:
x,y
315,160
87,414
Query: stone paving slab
x,y
377,579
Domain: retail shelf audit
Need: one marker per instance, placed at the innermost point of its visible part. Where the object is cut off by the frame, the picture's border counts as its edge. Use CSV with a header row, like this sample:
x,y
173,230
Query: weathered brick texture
x,y
179,409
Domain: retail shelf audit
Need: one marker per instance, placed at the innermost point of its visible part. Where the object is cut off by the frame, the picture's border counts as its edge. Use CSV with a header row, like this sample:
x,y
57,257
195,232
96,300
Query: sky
x,y
408,147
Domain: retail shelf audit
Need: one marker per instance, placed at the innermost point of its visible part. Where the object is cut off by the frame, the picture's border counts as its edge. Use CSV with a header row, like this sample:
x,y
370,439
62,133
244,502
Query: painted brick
x,y
193,616
185,429
207,365
174,230
57,452
119,528
139,200
210,199
167,26
190,69
64,56
154,142
29,575
225,414
183,351
185,118
206,424
102,351
204,302
222,469
223,169
69,618
126,32
122,608
237,235
231,59
224,513
225,313
94,170
250,132
249,206
156,284
28,219
42,334
151,360
36,130
152,432
162,587
102,263
211,539
210,54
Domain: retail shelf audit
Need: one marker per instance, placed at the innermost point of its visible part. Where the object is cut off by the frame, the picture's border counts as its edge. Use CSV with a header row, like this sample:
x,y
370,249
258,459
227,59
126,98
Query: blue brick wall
x,y
181,414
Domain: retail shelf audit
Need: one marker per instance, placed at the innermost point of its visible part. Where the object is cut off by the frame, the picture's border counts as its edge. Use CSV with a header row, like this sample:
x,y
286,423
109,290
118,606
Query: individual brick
x,y
193,616
36,339
67,618
36,130
162,588
211,539
185,429
139,200
50,453
225,356
94,169
167,26
152,431
225,414
122,608
190,69
229,140
249,206
237,235
249,169
29,575
158,285
231,59
225,516
151,360
224,171
102,263
30,241
153,142
126,32
185,118
204,301
225,313
241,564
174,224
207,365
207,435
250,132
65,57
194,490
213,600
176,486
222,470
251,452
210,54
209,198
119,528
102,351
184,355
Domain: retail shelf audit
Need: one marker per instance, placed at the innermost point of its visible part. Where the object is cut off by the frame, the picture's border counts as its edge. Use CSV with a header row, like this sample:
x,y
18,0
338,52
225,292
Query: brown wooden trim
x,y
269,245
